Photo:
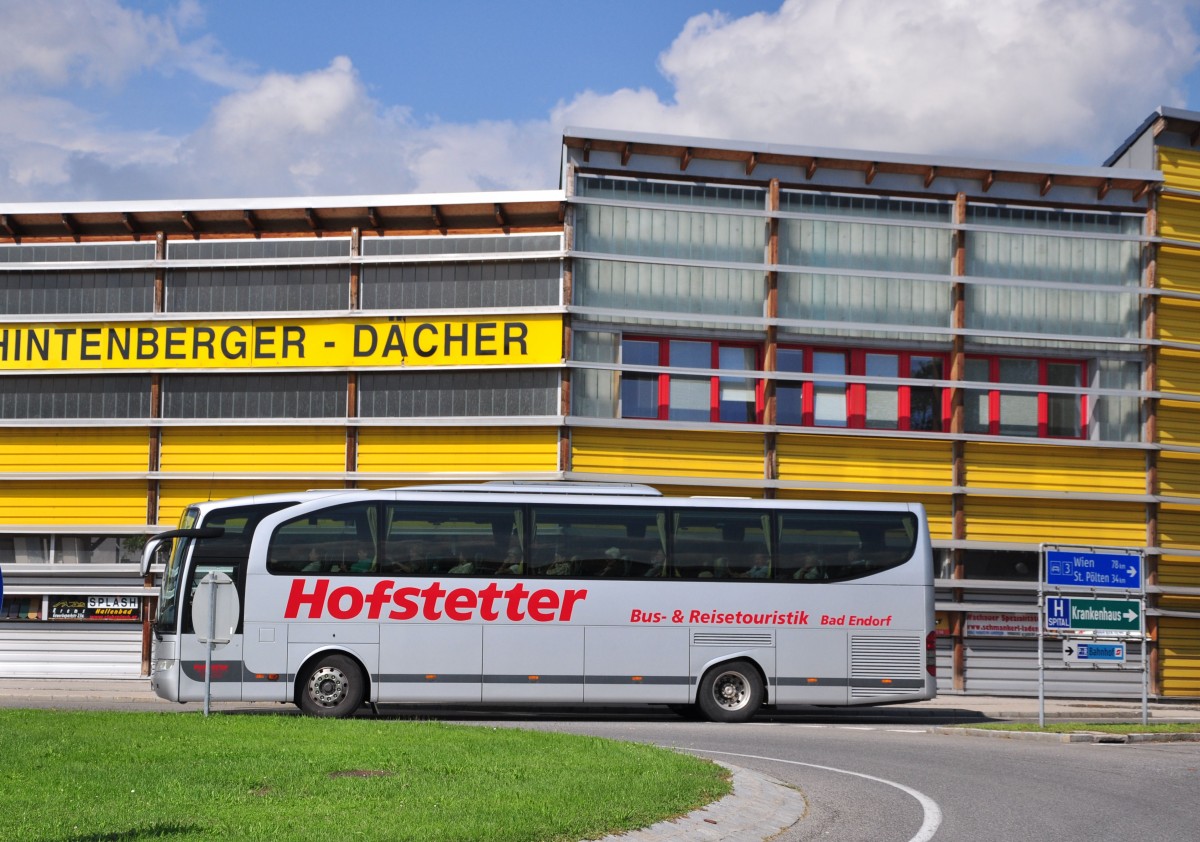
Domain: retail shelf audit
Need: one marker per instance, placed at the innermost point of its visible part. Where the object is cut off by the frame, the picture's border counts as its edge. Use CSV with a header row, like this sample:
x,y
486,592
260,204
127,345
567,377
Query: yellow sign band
x,y
530,339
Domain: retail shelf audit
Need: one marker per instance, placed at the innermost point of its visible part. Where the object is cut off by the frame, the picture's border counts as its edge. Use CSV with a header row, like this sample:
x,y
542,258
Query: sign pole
x,y
1042,638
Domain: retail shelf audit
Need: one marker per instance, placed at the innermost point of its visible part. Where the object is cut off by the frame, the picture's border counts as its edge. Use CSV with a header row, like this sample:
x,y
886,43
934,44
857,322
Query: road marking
x,y
932,812
856,728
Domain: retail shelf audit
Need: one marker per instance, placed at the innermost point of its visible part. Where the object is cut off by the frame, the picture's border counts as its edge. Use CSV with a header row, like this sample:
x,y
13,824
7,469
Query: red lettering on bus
x,y
433,602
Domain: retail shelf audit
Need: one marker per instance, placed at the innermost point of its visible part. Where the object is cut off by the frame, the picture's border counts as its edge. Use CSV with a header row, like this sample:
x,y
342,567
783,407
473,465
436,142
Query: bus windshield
x,y
168,601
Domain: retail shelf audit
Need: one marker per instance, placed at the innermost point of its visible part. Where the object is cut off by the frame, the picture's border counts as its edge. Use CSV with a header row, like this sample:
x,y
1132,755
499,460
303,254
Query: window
x,y
827,401
1032,412
690,397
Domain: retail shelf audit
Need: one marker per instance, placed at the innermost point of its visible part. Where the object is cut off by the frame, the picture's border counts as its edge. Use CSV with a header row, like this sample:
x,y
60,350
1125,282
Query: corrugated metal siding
x,y
80,291
1178,270
674,454
1178,526
1179,649
1179,571
1178,320
98,502
868,460
258,289
1179,423
72,450
176,495
1022,519
1050,468
1179,218
937,507
1179,371
49,650
457,450
249,449
1179,474
1180,167
1008,667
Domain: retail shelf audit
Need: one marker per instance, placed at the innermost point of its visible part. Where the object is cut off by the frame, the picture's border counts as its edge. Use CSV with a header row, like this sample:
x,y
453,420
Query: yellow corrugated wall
x,y
1179,474
937,506
1179,423
1180,167
1178,269
672,454
1029,520
176,495
1179,653
1181,571
113,502
864,460
253,449
1045,467
1178,526
1178,320
1179,218
1179,371
74,450
457,450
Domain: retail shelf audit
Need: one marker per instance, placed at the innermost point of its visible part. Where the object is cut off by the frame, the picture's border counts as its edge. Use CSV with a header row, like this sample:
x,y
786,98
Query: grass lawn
x,y
1102,727
113,777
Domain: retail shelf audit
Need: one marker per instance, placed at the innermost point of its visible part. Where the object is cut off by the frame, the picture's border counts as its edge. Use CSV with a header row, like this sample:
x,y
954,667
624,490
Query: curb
x,y
1075,737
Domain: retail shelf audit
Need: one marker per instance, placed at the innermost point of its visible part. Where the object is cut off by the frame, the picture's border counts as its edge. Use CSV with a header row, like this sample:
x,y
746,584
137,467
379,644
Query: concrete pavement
x,y
759,807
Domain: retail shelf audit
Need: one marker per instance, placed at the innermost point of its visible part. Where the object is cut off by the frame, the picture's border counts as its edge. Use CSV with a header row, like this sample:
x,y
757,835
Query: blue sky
x,y
162,99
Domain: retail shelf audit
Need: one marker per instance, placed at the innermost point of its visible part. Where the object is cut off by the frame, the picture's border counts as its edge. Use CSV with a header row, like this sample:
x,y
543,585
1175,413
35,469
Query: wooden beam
x,y
439,221
626,153
1047,183
1141,191
751,163
1104,188
9,227
70,225
587,151
989,180
310,216
130,224
685,159
250,220
930,176
562,212
501,218
373,218
188,222
872,171
811,170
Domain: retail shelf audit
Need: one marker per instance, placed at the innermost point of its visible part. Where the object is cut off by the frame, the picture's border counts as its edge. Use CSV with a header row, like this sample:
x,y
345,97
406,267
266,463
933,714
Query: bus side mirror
x,y
156,541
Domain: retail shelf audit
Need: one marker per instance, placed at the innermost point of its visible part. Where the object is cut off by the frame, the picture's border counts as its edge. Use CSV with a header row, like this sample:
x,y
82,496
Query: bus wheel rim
x,y
328,686
731,691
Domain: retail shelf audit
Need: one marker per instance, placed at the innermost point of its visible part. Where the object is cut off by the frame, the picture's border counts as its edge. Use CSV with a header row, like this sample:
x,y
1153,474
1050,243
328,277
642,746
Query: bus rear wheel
x,y
731,692
332,686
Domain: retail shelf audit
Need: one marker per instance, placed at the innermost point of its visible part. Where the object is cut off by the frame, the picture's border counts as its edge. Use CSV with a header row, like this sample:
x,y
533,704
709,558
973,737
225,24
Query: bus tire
x,y
333,685
731,692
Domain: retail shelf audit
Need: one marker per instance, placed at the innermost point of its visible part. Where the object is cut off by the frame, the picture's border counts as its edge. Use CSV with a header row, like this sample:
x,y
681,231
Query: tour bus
x,y
557,593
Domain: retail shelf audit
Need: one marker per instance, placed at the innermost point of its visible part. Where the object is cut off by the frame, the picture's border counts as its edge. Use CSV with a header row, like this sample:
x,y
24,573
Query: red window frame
x,y
1043,398
856,393
714,391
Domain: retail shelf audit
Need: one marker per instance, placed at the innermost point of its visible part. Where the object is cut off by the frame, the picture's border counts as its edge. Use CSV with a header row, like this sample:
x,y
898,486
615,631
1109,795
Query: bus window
x,y
597,542
722,544
474,540
340,540
835,546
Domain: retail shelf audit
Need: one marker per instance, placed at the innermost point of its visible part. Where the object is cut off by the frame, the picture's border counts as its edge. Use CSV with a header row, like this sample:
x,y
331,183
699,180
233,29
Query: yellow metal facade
x,y
457,450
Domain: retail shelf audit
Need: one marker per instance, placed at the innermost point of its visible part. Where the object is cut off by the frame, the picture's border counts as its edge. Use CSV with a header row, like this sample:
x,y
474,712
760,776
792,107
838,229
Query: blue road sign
x,y
1085,569
1111,653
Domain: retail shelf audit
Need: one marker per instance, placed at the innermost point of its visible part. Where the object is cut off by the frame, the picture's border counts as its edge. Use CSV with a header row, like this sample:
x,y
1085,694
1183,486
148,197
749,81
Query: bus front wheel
x,y
332,686
731,692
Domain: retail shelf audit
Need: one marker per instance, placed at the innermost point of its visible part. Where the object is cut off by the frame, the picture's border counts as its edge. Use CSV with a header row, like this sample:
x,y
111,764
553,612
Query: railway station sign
x,y
1089,569
1079,651
1079,614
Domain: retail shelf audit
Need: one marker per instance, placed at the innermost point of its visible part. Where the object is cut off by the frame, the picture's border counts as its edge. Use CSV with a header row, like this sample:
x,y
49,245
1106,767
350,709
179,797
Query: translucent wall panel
x,y
1050,311
269,249
254,396
669,234
75,396
430,246
1117,418
427,286
639,191
81,291
258,289
460,394
662,288
882,301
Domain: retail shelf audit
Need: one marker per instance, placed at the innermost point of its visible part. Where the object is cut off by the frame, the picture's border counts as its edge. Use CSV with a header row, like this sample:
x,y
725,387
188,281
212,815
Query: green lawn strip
x,y
126,776
1102,727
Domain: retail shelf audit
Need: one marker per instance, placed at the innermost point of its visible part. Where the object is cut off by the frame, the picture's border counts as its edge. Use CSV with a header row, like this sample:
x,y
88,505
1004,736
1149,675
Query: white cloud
x,y
1018,79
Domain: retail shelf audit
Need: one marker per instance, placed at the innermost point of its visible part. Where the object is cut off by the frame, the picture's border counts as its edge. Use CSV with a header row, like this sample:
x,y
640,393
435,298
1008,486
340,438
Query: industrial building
x,y
1012,345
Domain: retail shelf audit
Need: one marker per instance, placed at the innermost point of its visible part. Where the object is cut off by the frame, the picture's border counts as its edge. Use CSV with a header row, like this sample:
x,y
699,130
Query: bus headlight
x,y
163,664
